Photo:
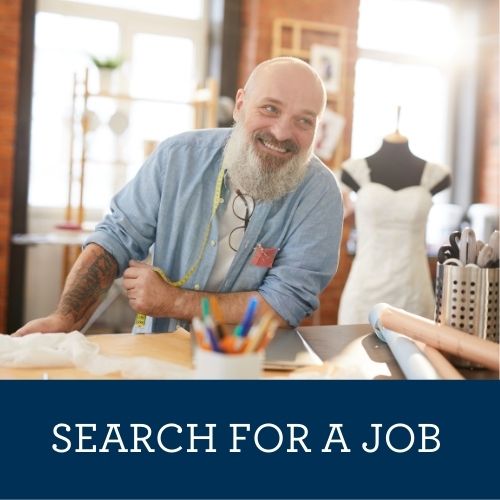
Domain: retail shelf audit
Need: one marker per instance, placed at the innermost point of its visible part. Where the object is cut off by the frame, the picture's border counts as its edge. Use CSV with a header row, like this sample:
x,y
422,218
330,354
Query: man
x,y
234,213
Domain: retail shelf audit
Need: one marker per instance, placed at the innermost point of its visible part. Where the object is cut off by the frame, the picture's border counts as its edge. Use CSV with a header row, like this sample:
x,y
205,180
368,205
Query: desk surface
x,y
173,347
350,352
353,352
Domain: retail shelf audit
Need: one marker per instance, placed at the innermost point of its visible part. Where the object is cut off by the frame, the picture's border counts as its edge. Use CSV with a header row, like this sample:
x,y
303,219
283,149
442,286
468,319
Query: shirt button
x,y
213,243
221,200
196,286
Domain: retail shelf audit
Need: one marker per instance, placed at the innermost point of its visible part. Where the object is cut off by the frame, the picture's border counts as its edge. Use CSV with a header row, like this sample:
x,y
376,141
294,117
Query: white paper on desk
x,y
48,350
62,350
413,362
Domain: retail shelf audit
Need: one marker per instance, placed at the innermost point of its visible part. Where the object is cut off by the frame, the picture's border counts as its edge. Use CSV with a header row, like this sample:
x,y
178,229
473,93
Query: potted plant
x,y
107,67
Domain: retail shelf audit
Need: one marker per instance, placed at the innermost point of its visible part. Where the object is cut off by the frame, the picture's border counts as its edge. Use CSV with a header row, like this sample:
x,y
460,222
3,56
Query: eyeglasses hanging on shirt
x,y
243,207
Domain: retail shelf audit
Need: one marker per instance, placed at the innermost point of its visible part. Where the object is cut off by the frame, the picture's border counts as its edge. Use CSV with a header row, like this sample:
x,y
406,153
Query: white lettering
x,y
388,438
236,437
340,439
209,437
257,442
426,437
113,429
160,435
85,437
143,439
299,439
55,430
374,448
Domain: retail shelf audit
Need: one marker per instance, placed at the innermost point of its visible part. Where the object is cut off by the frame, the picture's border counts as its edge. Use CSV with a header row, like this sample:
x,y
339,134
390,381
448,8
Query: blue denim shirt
x,y
168,205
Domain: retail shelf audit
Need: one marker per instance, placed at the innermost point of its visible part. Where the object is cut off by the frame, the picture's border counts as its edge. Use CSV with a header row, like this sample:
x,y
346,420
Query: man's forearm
x,y
150,294
90,278
186,304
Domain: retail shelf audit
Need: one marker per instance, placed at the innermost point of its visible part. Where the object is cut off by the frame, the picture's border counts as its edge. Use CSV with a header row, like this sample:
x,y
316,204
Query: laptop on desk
x,y
287,351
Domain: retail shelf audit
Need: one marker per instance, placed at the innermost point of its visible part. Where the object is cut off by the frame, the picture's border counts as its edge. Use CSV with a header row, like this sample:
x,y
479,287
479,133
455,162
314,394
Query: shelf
x,y
203,103
123,97
293,37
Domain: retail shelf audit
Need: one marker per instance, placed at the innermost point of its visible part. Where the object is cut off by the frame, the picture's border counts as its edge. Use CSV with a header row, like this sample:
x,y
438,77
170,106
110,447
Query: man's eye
x,y
270,109
306,122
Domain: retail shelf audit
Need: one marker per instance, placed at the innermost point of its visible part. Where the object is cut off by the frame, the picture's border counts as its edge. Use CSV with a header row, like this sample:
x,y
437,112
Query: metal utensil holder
x,y
467,299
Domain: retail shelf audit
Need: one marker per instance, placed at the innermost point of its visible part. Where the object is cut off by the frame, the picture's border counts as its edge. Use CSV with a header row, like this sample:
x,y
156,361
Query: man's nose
x,y
281,129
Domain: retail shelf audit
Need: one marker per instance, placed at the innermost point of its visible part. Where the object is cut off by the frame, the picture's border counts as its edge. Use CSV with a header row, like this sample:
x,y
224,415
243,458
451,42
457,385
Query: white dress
x,y
391,260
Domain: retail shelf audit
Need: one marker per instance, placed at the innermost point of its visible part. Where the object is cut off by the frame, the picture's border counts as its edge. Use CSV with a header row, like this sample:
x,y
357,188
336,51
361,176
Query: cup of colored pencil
x,y
225,352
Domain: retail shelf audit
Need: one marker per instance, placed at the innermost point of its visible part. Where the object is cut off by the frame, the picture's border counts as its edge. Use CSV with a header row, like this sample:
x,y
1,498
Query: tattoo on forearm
x,y
89,284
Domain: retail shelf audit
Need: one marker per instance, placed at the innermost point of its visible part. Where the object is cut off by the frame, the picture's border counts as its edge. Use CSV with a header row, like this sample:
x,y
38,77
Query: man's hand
x,y
50,324
147,292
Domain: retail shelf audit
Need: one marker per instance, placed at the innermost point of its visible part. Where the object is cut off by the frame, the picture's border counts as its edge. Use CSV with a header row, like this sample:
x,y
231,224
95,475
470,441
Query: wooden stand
x,y
294,38
204,103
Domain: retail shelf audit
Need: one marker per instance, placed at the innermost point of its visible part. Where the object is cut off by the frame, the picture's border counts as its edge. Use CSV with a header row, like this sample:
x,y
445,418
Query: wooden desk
x,y
351,352
173,347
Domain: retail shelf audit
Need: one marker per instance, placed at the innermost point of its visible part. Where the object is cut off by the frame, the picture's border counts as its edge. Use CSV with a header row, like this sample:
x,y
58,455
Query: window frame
x,y
132,22
446,68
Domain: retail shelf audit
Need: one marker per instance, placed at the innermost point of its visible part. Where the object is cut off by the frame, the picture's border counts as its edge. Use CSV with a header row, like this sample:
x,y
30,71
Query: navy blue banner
x,y
256,439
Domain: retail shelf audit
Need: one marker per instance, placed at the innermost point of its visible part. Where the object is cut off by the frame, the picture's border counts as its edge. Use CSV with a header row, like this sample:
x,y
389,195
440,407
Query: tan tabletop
x,y
174,347
349,352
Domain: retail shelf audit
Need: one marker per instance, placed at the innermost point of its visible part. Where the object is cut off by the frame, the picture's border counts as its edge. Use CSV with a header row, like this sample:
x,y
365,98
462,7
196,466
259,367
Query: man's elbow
x,y
267,308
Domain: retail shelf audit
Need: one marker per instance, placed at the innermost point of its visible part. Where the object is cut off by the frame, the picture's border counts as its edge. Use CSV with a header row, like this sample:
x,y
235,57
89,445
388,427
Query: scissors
x,y
486,256
494,242
467,247
479,245
454,242
450,251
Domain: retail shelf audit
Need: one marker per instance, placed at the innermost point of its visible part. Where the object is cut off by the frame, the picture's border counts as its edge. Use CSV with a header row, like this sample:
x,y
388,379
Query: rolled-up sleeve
x,y
129,230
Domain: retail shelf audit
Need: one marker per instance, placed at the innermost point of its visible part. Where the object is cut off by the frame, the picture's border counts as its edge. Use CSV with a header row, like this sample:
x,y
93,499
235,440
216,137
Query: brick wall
x,y
10,16
488,159
256,35
256,45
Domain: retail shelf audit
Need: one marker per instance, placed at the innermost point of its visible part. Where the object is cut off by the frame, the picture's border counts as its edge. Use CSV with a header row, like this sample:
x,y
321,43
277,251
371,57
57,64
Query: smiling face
x,y
279,110
276,115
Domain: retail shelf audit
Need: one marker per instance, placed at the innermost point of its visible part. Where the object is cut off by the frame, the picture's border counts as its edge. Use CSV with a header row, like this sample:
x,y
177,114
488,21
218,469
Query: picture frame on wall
x,y
329,134
326,60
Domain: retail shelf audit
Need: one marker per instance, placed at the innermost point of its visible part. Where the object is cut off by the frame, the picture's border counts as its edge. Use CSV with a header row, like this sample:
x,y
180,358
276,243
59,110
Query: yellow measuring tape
x,y
140,319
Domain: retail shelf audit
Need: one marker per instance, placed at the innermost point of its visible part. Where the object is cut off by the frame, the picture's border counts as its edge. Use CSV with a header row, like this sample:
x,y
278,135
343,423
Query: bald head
x,y
304,75
276,115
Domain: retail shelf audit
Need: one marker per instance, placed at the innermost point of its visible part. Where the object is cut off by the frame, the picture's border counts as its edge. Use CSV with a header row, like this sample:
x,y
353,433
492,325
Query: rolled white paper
x,y
442,337
413,362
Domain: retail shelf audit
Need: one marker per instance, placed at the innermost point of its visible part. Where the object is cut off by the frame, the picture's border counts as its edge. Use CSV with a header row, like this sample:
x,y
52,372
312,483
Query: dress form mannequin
x,y
395,166
394,195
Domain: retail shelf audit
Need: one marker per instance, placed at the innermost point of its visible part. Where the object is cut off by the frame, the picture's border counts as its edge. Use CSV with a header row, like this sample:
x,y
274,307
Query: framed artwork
x,y
326,60
329,133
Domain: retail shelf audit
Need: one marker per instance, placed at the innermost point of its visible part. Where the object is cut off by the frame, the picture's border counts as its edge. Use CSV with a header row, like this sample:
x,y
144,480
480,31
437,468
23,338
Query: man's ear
x,y
240,95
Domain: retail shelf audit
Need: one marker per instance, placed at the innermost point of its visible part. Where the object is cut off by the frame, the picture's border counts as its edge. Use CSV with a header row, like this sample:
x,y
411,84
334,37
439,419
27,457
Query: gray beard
x,y
263,177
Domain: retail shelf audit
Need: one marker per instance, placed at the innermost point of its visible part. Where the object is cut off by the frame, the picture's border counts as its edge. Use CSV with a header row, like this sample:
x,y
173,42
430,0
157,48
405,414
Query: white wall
x,y
44,280
43,265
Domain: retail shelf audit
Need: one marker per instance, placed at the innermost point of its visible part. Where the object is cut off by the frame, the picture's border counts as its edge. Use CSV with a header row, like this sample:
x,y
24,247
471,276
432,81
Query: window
x,y
405,50
415,27
188,9
164,61
62,45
